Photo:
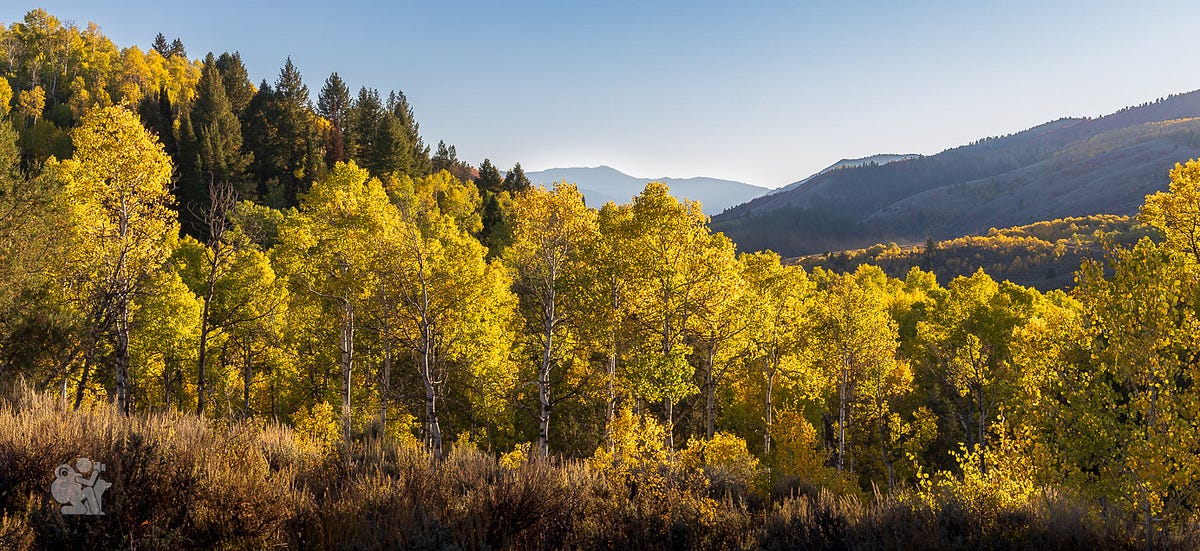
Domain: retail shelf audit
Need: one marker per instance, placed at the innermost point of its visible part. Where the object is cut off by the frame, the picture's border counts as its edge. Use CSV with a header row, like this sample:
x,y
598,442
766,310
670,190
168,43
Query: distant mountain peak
x,y
602,184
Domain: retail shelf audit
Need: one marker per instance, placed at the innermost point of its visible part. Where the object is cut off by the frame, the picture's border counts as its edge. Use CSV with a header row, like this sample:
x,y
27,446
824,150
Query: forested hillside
x,y
284,324
1065,168
1044,255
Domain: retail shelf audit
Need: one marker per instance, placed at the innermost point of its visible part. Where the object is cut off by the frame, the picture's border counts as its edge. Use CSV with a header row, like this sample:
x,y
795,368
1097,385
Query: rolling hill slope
x,y
1068,167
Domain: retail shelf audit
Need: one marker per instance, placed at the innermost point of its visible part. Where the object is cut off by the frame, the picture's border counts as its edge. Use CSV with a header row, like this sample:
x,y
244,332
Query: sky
x,y
763,92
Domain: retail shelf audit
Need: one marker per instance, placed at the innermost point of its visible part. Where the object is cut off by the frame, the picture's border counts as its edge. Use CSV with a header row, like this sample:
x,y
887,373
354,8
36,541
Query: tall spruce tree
x,y
363,121
444,158
177,49
191,191
284,138
158,116
334,104
238,88
416,157
218,134
161,46
515,181
257,132
489,178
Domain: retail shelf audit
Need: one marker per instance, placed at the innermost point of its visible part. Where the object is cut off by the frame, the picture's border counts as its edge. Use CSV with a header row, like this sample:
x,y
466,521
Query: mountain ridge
x,y
1061,168
603,183
879,158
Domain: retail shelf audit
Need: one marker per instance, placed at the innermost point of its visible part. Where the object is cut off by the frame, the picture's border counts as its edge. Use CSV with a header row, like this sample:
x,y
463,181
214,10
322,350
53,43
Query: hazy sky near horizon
x,y
762,92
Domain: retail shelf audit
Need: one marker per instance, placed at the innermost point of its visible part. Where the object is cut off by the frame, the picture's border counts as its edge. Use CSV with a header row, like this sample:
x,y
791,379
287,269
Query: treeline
x,y
268,142
1044,255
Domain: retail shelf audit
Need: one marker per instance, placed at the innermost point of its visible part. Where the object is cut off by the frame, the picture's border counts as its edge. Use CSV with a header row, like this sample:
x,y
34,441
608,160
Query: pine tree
x,y
191,190
363,121
177,49
333,103
515,181
158,116
218,133
160,45
258,132
238,88
282,133
445,158
489,179
416,156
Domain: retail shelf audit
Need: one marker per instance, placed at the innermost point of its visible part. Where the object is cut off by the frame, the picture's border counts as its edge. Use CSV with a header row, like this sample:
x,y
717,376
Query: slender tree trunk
x,y
247,378
883,456
201,376
347,364
433,431
549,320
710,396
841,461
544,391
88,358
770,407
669,406
612,396
385,385
122,352
612,372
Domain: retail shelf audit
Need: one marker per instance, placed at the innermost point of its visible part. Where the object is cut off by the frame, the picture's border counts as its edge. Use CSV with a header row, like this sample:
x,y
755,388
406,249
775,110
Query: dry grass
x,y
180,482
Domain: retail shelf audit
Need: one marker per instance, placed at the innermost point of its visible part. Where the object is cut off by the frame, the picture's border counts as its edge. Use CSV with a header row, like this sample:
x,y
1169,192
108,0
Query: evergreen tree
x,y
258,132
379,139
515,181
158,116
497,233
238,88
416,158
489,179
333,103
177,49
445,158
363,121
218,135
160,45
191,191
284,138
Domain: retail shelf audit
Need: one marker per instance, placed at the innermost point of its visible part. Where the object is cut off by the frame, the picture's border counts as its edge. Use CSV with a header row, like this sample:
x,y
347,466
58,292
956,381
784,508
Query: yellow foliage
x,y
724,455
401,429
994,480
638,442
318,427
517,457
32,102
800,453
6,95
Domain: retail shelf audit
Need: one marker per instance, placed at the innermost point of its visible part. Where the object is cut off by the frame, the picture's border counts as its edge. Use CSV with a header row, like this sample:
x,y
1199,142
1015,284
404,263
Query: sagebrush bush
x,y
181,482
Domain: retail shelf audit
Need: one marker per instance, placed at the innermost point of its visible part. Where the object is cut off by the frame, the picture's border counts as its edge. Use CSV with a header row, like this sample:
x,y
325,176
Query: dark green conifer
x,y
515,180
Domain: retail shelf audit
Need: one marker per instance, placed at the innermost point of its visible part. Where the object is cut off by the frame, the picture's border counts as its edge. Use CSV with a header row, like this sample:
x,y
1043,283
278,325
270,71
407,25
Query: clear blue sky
x,y
762,92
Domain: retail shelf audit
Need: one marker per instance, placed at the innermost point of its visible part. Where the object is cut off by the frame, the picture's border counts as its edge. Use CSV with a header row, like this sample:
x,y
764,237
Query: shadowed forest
x,y
283,323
